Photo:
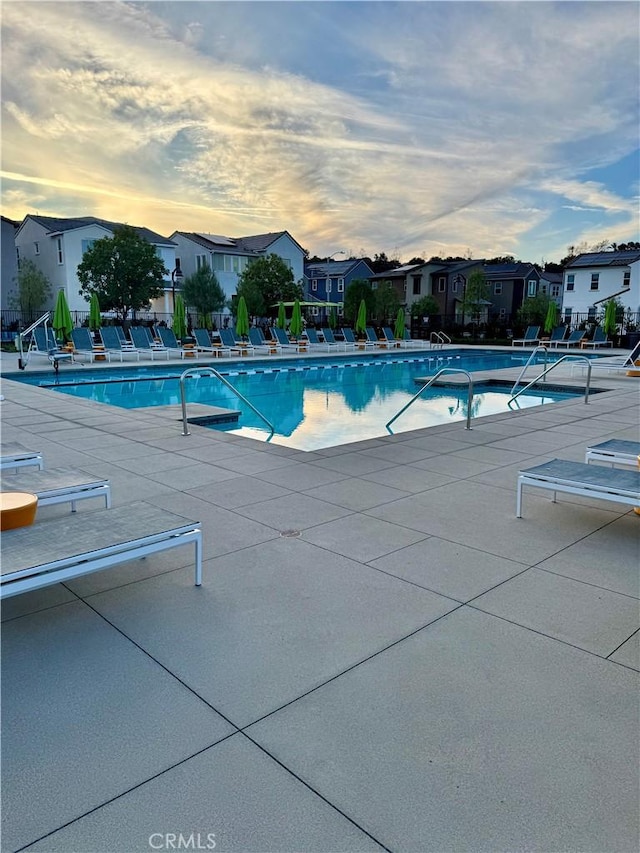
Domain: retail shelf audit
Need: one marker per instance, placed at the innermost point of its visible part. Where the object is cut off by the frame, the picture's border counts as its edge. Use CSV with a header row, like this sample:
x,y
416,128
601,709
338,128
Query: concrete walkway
x,y
381,656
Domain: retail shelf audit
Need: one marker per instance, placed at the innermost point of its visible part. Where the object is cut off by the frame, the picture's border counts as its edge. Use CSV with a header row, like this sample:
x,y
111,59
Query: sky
x,y
411,128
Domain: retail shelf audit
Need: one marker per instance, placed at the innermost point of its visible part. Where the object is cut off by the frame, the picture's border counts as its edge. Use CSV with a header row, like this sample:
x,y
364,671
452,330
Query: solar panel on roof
x,y
216,238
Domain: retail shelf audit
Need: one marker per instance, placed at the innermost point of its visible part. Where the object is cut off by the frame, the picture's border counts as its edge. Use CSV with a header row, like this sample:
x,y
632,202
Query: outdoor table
x,y
17,509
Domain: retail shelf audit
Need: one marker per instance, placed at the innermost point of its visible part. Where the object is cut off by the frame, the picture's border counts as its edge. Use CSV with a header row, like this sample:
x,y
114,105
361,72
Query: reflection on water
x,y
321,405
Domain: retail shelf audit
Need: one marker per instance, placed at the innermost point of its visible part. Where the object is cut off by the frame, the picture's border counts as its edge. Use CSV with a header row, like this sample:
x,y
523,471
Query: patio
x,y
381,656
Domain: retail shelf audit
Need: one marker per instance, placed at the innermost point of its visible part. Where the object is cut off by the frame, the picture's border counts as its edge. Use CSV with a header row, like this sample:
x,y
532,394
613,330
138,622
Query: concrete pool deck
x,y
381,656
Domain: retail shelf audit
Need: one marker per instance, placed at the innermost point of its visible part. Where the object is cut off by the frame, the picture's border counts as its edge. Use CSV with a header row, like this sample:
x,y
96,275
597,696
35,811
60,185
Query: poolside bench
x,y
14,455
615,452
62,549
578,478
58,485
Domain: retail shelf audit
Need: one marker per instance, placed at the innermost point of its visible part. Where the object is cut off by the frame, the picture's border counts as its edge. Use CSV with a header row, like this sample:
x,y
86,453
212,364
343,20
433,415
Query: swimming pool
x,y
313,403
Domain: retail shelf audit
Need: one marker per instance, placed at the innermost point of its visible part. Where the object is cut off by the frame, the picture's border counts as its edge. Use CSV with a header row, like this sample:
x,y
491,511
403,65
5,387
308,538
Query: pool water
x,y
313,403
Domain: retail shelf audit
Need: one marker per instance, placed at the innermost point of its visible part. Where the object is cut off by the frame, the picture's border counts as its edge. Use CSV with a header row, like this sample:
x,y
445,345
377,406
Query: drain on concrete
x,y
290,534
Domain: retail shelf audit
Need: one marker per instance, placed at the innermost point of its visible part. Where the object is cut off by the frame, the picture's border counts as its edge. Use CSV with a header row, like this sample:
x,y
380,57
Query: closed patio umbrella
x,y
609,324
398,330
95,320
361,320
62,322
281,322
333,318
551,320
295,327
179,324
242,319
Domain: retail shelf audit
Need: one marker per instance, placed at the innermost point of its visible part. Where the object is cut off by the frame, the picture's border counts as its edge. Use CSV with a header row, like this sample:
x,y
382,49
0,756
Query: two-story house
x,y
593,278
57,245
402,282
327,282
228,257
508,286
9,260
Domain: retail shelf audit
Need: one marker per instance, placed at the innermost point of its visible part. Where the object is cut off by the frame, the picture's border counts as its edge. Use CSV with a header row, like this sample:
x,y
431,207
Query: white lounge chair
x,y
614,452
62,549
58,485
531,337
578,478
141,341
14,455
612,362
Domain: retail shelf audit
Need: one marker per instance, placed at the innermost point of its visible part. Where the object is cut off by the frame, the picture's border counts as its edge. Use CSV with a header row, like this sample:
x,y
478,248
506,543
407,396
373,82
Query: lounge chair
x,y
617,451
65,548
169,340
285,343
83,346
350,338
574,340
599,339
58,485
578,478
329,338
261,344
557,334
205,344
229,341
113,345
613,362
14,456
317,344
531,337
414,342
43,342
142,342
372,338
391,339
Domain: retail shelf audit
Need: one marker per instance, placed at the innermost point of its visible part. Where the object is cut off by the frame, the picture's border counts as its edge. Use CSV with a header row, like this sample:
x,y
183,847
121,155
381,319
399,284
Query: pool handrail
x,y
439,339
550,368
529,360
211,371
430,382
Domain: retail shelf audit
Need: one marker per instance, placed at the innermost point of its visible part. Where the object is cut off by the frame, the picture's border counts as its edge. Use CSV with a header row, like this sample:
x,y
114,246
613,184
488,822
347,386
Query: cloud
x,y
433,124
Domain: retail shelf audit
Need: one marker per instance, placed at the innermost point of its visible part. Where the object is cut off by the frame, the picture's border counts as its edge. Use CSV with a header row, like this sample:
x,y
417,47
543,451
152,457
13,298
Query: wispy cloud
x,y
427,126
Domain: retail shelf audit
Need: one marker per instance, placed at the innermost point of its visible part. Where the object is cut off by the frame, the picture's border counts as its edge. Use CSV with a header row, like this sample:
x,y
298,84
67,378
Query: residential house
x,y
401,280
448,283
9,269
328,281
228,257
57,245
551,285
509,285
593,278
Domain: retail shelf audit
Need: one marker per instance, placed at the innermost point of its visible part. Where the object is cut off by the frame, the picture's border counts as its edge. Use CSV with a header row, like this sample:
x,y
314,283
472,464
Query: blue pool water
x,y
312,402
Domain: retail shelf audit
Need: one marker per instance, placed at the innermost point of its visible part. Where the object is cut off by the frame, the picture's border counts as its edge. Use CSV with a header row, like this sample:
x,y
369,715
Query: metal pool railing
x,y
430,382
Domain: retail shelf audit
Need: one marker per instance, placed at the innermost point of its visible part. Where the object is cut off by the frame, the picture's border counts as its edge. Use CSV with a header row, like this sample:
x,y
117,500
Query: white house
x,y
57,245
593,278
230,256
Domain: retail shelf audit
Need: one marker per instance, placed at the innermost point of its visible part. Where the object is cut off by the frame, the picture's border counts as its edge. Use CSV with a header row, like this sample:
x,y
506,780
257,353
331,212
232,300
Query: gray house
x,y
9,260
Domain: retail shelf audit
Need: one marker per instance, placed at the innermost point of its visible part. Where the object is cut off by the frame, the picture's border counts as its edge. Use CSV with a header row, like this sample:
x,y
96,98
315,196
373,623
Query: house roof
x,y
398,272
341,268
54,224
515,270
254,244
604,259
10,221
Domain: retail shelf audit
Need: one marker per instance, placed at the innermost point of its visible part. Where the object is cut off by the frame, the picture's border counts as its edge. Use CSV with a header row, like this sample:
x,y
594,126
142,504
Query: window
x,y
591,312
417,285
314,284
328,285
59,248
18,257
531,287
595,280
503,313
555,291
340,309
497,288
571,281
543,287
626,279
340,285
314,311
374,285
36,247
201,261
567,315
287,262
454,284
442,285
86,245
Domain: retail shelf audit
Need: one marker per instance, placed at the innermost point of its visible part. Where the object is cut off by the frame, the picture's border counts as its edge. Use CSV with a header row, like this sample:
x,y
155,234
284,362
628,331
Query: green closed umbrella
x,y
361,320
609,325
179,324
95,320
551,320
398,330
62,322
333,318
281,322
295,327
242,319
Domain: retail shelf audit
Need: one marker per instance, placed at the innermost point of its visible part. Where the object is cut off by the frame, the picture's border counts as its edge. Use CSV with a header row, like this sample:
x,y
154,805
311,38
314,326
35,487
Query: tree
x,y
265,283
203,292
358,289
381,263
33,289
386,303
475,294
124,270
533,311
426,306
